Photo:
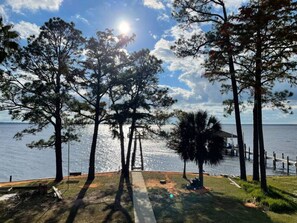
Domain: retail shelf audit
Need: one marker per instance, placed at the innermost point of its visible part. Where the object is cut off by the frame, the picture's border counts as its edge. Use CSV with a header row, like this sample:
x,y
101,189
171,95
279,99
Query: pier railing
x,y
285,161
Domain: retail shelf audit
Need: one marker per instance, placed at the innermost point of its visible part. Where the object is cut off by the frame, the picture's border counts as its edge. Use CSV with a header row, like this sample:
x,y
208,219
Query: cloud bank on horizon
x,y
155,29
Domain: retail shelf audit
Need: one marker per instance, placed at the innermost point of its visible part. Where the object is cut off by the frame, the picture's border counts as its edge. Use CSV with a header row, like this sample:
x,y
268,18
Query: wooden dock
x,y
286,162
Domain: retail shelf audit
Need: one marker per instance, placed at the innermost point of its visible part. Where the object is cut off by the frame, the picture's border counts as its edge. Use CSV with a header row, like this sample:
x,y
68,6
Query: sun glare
x,y
124,27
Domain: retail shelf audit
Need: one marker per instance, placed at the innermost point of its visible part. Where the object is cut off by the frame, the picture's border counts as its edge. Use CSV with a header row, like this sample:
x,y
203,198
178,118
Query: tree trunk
x,y
134,153
200,167
58,131
132,129
256,176
141,154
185,165
91,173
258,92
58,150
261,145
236,103
238,127
122,143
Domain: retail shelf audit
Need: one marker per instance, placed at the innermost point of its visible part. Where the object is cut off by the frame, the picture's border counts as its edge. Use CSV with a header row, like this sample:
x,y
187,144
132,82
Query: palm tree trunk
x,y
184,173
200,167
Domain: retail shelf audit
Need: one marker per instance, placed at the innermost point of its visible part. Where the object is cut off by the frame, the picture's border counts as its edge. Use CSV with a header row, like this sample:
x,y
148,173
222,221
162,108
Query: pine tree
x,y
105,55
265,33
217,43
39,92
137,97
8,41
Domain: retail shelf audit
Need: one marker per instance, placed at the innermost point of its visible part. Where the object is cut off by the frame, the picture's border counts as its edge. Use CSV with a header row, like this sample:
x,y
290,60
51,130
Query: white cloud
x,y
80,18
180,93
3,13
192,90
234,4
169,3
26,29
153,35
164,17
191,69
155,4
33,5
231,5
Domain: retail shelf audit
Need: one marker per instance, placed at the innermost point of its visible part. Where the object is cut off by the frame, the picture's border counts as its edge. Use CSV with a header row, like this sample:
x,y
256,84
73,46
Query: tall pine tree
x,y
105,55
217,42
265,35
39,92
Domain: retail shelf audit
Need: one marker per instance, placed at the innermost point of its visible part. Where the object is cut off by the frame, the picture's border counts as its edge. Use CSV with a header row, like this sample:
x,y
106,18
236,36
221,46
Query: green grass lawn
x,y
223,202
81,203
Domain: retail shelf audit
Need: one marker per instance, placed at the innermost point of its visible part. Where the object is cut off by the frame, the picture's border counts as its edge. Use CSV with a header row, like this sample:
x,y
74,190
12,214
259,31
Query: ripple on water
x,y
24,163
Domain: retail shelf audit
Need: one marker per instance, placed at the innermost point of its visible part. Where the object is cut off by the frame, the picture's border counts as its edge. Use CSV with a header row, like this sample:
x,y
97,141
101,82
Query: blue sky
x,y
151,21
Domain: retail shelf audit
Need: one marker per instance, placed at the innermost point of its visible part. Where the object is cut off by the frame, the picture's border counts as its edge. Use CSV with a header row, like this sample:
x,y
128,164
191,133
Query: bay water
x,y
21,162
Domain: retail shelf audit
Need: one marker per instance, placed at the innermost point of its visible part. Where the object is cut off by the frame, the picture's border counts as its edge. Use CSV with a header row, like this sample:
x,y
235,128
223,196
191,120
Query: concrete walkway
x,y
143,211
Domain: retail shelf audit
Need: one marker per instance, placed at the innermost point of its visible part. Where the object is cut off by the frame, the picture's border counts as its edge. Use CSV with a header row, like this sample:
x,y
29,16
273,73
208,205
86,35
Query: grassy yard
x,y
95,201
81,202
222,202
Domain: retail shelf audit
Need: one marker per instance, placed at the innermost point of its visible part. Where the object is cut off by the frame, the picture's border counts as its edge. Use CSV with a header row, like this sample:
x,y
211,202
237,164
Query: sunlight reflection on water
x,y
23,163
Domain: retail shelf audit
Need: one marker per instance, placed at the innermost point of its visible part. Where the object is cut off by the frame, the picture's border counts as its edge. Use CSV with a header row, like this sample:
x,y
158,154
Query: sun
x,y
124,27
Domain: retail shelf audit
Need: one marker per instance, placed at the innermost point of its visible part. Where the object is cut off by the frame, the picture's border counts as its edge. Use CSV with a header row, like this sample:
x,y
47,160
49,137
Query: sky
x,y
155,29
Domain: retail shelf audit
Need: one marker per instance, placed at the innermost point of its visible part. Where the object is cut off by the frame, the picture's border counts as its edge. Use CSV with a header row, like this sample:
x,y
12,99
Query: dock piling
x,y
288,165
249,153
265,158
281,159
274,161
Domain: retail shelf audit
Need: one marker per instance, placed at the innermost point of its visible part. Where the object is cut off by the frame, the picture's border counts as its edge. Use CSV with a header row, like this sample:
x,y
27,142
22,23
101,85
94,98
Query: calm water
x,y
23,163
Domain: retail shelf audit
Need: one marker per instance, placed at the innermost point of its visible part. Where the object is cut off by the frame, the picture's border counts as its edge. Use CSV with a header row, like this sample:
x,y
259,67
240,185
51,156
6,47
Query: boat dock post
x,y
283,160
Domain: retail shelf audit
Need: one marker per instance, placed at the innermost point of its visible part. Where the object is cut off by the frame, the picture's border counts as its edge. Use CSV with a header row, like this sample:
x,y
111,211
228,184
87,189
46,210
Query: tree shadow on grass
x,y
28,204
116,207
78,202
208,207
24,208
284,192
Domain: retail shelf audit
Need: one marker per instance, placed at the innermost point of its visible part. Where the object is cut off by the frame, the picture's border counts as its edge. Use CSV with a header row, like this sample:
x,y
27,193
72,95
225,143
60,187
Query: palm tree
x,y
8,39
196,138
181,141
